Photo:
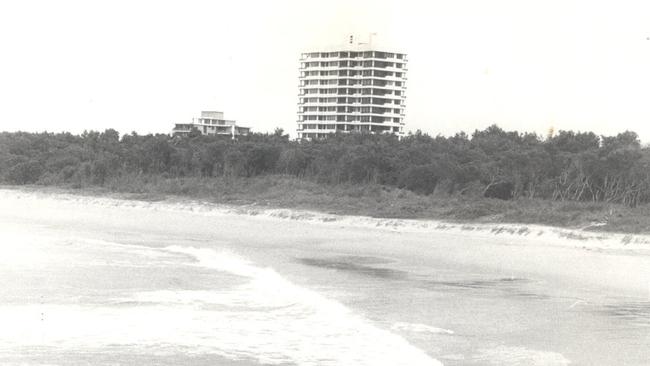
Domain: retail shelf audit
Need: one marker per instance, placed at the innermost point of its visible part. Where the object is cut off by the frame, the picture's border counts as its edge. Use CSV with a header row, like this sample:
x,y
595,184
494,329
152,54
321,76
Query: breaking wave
x,y
263,317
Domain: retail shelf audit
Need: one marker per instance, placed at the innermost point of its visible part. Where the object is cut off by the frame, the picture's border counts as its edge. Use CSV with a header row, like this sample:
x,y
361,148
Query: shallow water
x,y
90,284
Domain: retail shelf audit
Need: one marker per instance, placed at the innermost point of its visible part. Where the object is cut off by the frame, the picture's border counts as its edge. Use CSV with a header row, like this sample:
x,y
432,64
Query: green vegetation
x,y
570,179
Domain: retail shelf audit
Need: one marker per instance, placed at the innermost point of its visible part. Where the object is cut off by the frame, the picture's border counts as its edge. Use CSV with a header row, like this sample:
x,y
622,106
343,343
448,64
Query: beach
x,y
104,281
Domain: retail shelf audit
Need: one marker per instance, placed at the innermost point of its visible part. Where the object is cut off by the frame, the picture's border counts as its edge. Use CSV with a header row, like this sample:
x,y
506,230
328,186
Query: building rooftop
x,y
353,42
211,123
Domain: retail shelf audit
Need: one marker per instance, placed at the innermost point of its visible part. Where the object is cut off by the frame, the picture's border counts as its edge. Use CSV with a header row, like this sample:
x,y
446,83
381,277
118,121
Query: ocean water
x,y
90,281
85,297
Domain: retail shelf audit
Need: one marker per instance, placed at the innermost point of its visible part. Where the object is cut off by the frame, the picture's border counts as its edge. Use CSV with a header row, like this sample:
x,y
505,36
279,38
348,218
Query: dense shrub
x,y
501,190
25,172
570,166
420,179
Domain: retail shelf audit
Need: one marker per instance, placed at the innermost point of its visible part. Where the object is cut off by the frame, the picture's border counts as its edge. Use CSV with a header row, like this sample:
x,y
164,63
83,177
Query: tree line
x,y
578,166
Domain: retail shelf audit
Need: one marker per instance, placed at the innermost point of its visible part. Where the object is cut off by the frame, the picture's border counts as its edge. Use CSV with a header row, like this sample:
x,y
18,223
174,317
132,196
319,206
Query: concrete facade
x,y
355,87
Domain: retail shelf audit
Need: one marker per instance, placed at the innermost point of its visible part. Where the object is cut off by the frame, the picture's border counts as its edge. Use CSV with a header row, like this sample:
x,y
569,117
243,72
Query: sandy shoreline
x,y
442,286
525,233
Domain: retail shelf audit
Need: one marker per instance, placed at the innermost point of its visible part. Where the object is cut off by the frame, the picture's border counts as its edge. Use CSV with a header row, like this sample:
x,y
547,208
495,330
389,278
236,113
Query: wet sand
x,y
464,297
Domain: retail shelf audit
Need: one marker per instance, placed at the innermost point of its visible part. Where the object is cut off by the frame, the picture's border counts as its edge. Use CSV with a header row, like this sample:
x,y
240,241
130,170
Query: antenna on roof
x,y
370,38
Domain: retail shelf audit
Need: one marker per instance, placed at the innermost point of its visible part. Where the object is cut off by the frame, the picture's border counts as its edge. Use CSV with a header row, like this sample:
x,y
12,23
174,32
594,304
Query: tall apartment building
x,y
355,87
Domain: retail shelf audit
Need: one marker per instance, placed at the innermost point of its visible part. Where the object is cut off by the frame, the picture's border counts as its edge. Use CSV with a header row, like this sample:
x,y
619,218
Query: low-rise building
x,y
211,123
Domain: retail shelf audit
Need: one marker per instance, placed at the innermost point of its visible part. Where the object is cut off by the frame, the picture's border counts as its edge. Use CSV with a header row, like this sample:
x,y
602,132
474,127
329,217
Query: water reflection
x,y
369,267
357,265
636,313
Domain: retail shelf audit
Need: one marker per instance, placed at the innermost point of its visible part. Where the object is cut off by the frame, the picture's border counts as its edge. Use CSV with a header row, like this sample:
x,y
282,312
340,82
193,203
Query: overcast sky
x,y
143,66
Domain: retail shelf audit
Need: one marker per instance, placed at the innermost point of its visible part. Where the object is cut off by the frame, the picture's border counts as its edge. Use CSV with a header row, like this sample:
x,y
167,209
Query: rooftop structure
x,y
211,123
353,87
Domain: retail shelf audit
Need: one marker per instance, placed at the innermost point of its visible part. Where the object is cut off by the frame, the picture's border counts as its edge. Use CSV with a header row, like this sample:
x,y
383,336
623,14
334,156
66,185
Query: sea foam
x,y
264,317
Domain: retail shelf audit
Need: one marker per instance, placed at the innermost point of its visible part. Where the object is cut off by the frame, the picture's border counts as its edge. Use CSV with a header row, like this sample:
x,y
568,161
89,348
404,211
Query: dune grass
x,y
276,191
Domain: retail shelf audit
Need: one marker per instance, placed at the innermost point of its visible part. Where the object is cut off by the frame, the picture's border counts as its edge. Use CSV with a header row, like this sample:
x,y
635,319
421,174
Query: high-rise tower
x,y
355,87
